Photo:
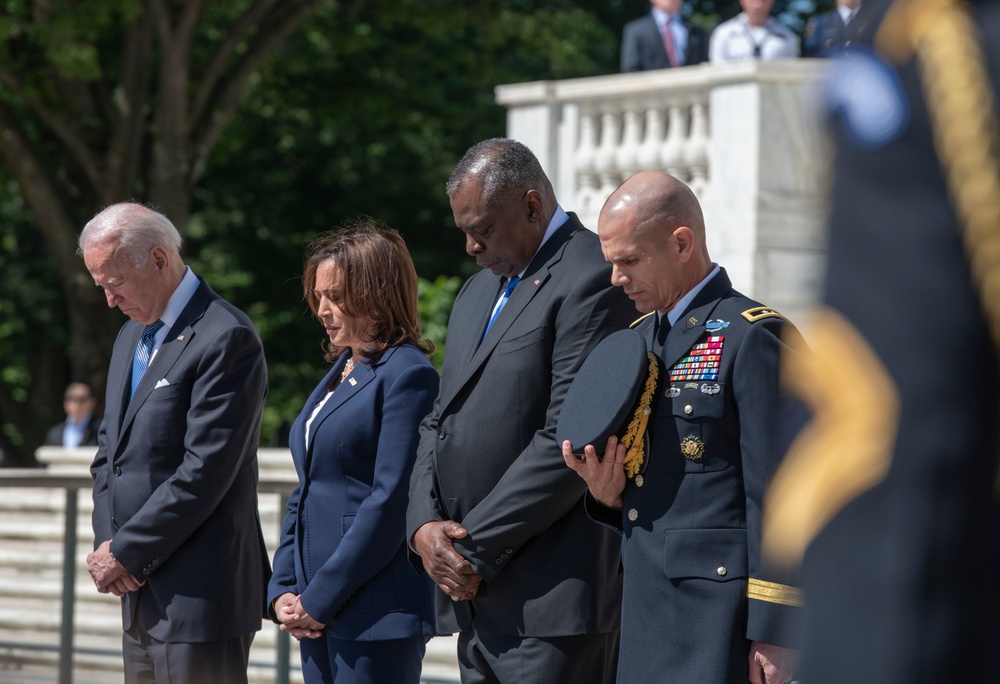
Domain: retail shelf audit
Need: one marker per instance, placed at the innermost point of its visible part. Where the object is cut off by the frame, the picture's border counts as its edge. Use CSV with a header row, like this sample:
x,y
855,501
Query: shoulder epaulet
x,y
641,319
759,313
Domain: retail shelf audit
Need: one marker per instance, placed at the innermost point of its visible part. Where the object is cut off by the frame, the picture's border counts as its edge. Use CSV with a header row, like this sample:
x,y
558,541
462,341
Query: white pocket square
x,y
162,383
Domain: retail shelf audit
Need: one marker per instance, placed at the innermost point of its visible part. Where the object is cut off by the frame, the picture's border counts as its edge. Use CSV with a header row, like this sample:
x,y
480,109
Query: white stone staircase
x,y
31,584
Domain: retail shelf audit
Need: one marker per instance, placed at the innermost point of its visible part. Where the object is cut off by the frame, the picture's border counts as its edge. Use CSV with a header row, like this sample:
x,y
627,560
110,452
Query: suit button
x,y
722,571
145,571
508,551
639,480
689,409
441,434
118,471
633,514
499,561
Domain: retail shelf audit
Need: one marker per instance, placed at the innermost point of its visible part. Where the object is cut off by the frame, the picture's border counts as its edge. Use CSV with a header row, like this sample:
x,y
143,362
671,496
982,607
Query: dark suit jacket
x,y
488,457
175,476
342,543
824,35
642,46
54,437
691,526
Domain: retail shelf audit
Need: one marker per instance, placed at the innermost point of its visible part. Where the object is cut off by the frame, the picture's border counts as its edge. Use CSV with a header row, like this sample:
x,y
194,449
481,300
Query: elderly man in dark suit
x,y
662,39
175,501
699,605
497,520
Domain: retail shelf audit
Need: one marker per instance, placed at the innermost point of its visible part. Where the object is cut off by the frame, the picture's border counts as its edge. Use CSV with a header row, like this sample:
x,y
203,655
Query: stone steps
x,y
31,559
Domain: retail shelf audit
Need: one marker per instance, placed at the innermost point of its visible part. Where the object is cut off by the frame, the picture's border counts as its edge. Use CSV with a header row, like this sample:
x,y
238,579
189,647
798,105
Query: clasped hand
x,y
108,574
434,541
294,619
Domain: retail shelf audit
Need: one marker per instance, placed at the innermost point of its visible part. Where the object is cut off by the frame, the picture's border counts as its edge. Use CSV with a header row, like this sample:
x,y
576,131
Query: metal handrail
x,y
73,483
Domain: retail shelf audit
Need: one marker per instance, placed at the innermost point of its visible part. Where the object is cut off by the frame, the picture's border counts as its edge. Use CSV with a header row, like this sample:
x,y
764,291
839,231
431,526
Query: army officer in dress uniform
x,y
698,605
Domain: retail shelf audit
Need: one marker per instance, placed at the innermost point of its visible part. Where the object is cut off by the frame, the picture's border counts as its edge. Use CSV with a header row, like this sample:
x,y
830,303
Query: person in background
x,y
752,34
662,39
81,425
828,34
530,584
699,604
176,530
342,582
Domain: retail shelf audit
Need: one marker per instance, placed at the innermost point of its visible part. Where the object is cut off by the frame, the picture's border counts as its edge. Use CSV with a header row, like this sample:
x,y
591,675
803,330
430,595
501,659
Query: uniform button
x,y
633,514
504,556
118,471
722,571
639,480
441,434
689,409
508,551
499,561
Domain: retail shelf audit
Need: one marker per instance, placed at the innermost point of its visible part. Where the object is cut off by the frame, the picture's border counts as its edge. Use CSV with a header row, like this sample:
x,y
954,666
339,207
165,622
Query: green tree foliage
x,y
254,124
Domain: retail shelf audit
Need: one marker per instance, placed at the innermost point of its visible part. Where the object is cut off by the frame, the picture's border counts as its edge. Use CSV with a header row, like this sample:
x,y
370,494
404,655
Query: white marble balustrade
x,y
747,138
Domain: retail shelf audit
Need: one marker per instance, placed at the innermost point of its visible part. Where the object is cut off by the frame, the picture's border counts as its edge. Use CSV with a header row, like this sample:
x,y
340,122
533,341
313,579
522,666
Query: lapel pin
x,y
352,381
693,321
180,338
537,282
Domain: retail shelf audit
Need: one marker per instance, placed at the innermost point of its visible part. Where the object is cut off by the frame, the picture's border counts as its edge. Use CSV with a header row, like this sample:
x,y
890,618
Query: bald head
x,y
653,233
657,204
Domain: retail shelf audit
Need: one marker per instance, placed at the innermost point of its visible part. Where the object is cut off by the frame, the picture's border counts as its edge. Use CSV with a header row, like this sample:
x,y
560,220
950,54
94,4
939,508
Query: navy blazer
x,y
342,544
642,45
175,475
825,35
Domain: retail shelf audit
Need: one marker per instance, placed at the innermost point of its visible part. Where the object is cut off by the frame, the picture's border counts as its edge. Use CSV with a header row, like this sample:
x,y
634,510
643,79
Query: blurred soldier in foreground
x,y
887,498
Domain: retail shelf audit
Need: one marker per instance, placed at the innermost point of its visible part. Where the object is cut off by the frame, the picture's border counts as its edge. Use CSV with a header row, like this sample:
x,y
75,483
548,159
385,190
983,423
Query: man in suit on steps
x,y
497,520
176,530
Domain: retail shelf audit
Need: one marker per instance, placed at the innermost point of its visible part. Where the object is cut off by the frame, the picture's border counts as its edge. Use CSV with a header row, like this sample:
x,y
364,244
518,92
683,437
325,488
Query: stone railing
x,y
745,136
43,549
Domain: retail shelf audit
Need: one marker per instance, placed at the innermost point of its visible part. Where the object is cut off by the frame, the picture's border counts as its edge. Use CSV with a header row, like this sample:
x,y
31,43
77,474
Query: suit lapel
x,y
362,374
536,276
177,339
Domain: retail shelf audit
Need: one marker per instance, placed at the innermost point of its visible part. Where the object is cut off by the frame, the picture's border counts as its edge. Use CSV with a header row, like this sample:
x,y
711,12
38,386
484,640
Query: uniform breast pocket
x,y
719,555
698,411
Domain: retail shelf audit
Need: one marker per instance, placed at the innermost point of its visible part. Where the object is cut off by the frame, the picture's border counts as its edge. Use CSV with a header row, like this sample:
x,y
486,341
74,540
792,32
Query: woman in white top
x,y
752,34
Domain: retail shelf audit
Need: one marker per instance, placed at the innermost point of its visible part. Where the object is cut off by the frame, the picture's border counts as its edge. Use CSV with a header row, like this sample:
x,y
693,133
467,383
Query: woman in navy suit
x,y
342,583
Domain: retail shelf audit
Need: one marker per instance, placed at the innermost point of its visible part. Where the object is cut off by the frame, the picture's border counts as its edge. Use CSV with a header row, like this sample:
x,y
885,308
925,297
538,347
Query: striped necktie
x,y
143,351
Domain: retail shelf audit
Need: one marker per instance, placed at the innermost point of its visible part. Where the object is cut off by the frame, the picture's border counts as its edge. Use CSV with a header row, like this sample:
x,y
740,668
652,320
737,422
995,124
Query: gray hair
x,y
135,228
506,168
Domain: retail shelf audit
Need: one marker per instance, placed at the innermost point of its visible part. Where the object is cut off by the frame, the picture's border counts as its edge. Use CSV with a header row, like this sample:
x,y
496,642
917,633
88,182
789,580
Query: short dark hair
x,y
379,284
506,168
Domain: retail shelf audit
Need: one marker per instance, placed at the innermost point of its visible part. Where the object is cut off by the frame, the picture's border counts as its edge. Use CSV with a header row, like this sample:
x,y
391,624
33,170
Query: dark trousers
x,y
149,661
326,660
485,658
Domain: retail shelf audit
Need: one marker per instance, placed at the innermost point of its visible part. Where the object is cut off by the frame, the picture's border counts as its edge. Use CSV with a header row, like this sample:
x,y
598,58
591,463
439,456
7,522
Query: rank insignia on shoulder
x,y
716,324
693,448
640,319
759,313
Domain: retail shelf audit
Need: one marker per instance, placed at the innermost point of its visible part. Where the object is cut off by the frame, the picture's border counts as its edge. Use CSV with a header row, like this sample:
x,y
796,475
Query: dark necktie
x,y
143,351
662,328
511,284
